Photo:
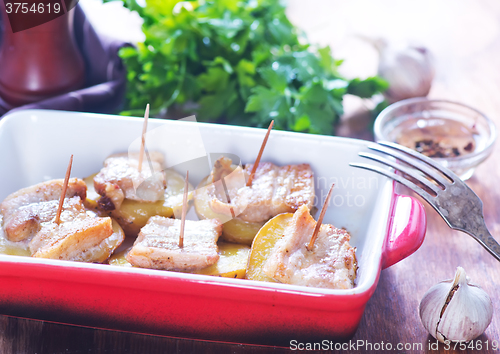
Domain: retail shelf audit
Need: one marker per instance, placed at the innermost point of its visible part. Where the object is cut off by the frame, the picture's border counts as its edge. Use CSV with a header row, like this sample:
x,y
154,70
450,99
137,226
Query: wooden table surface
x,y
464,37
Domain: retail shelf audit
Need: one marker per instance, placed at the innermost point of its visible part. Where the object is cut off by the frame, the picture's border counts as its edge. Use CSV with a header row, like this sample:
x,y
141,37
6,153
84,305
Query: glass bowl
x,y
456,135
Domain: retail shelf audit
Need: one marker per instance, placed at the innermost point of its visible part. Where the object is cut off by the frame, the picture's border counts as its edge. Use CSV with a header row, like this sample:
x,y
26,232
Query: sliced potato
x,y
133,215
239,231
118,259
174,192
14,248
234,230
263,244
107,247
231,264
92,195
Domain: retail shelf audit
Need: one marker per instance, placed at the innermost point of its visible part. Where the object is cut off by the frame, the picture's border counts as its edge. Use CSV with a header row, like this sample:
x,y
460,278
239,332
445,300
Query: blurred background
x,y
460,39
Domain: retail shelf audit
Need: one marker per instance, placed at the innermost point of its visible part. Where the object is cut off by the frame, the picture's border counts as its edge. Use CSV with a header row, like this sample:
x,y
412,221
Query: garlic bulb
x,y
408,70
457,310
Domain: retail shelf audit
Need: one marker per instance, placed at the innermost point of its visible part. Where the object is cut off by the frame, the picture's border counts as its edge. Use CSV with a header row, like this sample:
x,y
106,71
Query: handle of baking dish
x,y
407,228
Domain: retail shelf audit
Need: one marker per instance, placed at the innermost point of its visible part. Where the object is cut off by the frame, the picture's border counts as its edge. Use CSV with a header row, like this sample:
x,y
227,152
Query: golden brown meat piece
x,y
157,245
330,264
120,178
274,190
27,208
80,239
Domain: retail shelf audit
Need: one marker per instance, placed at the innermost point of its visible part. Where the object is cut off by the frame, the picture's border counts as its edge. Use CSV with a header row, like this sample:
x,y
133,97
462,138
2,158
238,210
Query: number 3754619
x,y
40,8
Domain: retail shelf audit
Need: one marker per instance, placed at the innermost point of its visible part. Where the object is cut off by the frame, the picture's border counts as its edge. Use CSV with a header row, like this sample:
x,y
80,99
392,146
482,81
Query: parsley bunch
x,y
237,62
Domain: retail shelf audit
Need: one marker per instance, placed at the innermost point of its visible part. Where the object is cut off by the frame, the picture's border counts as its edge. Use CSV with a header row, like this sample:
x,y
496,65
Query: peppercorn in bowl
x,y
458,136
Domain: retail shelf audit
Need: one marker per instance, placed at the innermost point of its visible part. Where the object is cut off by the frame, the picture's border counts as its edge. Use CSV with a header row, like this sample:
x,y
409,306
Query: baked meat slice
x,y
26,209
330,264
157,246
274,190
120,178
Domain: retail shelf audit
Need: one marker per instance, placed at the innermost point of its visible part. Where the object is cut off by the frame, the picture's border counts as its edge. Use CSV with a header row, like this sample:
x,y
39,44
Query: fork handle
x,y
484,237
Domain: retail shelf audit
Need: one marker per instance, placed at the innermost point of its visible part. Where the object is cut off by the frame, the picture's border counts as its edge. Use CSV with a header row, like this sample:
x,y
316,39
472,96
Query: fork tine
x,y
450,175
402,168
412,162
429,198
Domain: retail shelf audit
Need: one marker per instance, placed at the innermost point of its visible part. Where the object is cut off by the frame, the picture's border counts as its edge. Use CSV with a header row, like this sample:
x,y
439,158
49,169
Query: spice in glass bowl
x,y
457,136
437,137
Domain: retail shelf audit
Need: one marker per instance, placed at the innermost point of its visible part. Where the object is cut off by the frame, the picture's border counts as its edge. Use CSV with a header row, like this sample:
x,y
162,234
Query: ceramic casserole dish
x,y
385,227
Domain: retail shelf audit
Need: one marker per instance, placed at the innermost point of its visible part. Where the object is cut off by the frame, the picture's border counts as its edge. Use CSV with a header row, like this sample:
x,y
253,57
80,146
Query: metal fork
x,y
457,204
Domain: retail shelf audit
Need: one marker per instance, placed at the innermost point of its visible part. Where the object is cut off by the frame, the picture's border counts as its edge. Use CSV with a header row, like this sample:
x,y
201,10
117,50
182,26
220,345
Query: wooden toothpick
x,y
63,193
228,199
320,220
184,210
257,161
143,139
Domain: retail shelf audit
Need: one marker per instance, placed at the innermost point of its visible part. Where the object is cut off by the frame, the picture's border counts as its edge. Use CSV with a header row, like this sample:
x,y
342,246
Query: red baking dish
x,y
385,228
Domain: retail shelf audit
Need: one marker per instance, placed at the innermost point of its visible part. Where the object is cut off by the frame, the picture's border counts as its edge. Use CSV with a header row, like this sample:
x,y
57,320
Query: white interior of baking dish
x,y
36,145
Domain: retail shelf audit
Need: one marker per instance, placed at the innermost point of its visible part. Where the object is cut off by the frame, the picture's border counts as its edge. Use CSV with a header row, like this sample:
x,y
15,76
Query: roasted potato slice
x,y
118,259
92,197
111,243
239,231
234,230
133,215
263,244
231,264
14,248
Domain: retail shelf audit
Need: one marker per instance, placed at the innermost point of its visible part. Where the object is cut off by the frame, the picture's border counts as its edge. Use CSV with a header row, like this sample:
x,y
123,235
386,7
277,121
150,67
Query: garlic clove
x,y
456,310
476,307
432,305
409,70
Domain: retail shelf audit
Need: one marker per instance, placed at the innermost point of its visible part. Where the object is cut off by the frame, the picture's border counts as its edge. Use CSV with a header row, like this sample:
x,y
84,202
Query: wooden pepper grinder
x,y
39,62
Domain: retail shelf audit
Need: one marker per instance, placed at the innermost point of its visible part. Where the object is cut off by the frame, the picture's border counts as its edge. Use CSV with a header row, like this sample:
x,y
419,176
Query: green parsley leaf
x,y
234,61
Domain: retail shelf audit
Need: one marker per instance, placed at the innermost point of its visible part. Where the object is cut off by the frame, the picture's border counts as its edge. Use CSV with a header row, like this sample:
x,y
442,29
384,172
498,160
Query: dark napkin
x,y
105,75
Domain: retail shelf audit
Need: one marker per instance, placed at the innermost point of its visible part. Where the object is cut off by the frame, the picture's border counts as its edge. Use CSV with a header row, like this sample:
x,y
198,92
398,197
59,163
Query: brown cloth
x,y
105,75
